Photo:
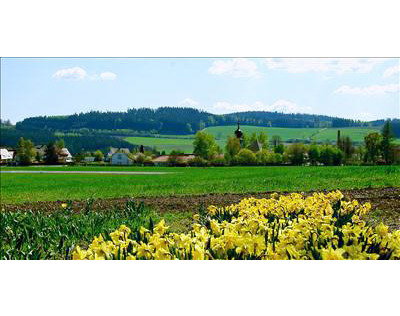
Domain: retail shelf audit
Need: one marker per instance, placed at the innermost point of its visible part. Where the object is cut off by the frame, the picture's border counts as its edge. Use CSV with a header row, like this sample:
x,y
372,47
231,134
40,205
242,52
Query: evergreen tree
x,y
51,154
387,142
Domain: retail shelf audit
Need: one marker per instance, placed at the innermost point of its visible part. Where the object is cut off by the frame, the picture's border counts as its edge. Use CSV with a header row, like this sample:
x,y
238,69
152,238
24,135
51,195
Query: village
x,y
120,156
240,149
116,156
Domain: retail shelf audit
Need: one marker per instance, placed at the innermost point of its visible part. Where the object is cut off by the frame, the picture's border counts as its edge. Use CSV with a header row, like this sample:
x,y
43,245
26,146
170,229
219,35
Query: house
x,y
165,159
40,149
121,158
115,150
12,153
5,156
255,146
64,156
88,159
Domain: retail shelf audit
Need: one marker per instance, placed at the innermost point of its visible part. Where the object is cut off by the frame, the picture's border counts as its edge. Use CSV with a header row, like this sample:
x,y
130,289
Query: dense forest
x,y
9,138
176,120
101,130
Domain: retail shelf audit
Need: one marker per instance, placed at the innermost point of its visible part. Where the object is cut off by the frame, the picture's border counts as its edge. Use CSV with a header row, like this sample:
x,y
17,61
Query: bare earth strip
x,y
88,172
385,203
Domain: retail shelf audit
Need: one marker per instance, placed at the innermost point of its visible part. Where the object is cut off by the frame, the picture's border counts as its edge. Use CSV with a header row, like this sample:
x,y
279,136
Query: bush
x,y
218,162
198,162
296,152
246,157
331,156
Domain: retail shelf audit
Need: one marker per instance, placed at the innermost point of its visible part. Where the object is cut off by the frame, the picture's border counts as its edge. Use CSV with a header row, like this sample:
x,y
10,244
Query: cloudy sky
x,y
358,88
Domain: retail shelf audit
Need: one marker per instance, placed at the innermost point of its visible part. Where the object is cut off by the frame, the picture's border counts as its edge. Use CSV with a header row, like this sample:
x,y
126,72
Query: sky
x,y
356,88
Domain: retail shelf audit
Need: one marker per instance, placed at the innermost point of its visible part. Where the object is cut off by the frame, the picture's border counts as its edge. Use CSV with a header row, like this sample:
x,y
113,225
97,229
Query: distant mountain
x,y
177,120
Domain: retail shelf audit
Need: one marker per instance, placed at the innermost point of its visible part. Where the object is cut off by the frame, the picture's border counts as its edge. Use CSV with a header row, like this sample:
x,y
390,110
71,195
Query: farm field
x,y
163,143
20,188
185,142
356,134
319,134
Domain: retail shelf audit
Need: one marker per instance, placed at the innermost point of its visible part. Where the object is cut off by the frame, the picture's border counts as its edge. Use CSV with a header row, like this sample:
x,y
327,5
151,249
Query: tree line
x,y
177,120
75,144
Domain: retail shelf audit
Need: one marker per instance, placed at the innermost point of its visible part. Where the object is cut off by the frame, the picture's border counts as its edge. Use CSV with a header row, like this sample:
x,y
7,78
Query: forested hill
x,y
177,120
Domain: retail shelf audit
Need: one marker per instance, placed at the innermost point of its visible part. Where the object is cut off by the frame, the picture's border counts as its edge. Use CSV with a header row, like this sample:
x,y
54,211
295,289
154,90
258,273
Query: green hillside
x,y
184,142
357,134
162,143
222,132
319,134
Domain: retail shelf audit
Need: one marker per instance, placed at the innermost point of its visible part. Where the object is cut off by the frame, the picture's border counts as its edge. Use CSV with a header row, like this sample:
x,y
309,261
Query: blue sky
x,y
358,88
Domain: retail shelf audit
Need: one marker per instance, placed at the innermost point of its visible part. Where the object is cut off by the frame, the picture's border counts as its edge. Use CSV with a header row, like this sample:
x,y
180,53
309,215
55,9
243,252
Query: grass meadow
x,y
163,143
319,134
19,188
185,142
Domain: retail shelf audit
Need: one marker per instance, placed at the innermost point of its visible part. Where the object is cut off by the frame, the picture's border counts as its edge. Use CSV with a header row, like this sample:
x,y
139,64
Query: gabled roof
x,y
114,150
164,158
5,154
41,149
65,152
255,146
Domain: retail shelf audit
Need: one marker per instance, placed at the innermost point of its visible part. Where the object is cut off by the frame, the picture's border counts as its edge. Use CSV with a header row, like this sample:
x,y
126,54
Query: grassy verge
x,y
20,188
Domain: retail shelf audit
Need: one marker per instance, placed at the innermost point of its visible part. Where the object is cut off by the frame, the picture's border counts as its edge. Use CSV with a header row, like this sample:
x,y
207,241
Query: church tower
x,y
239,134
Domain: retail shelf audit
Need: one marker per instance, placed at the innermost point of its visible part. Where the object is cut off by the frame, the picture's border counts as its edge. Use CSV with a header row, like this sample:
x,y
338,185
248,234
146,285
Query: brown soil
x,y
383,199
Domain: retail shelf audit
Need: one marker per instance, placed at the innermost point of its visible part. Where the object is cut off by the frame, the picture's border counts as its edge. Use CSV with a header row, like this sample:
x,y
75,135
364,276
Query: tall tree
x,y
232,147
98,155
314,153
25,151
373,147
387,142
276,141
51,154
263,139
205,146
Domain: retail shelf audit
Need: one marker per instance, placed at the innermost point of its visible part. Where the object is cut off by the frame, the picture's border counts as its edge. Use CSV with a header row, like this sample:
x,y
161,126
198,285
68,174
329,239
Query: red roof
x,y
165,158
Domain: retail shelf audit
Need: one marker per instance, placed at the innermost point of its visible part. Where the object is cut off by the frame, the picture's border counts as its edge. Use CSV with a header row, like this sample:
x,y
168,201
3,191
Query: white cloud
x,y
280,105
337,65
371,90
189,102
108,76
78,73
391,71
236,67
75,73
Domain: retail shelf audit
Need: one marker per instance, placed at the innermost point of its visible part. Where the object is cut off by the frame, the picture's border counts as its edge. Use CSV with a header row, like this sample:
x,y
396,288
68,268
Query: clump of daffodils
x,y
321,226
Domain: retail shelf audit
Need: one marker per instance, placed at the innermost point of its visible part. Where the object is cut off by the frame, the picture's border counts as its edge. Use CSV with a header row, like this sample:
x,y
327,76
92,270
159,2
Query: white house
x,y
64,156
5,155
115,150
121,158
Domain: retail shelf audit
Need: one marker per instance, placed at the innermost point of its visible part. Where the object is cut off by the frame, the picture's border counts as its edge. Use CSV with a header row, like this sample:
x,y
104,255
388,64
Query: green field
x,y
185,142
319,134
162,143
19,188
222,132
